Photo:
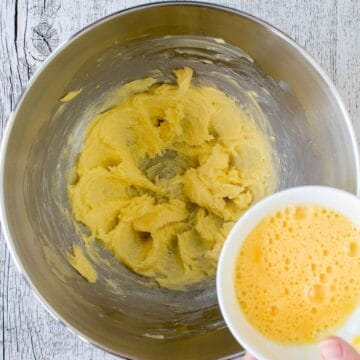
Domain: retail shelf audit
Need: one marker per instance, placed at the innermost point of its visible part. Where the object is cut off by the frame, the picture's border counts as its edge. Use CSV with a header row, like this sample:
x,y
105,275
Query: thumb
x,y
334,348
248,357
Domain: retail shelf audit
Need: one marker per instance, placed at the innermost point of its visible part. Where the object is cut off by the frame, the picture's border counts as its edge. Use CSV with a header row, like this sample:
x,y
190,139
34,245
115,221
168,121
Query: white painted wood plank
x,y
31,29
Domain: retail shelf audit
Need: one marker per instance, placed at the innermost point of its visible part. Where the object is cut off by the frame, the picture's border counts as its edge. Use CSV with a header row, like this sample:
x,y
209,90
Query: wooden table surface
x,y
31,29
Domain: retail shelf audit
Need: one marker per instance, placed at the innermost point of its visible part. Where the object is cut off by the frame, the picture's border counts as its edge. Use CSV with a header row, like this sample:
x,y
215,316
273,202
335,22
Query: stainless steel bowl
x,y
312,132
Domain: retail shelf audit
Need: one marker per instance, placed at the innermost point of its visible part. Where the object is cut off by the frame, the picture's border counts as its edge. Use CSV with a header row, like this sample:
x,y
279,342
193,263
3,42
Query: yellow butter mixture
x,y
164,174
298,274
80,262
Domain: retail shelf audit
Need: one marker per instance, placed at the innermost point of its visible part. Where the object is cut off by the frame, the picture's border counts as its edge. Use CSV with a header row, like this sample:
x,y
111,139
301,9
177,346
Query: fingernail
x,y
331,350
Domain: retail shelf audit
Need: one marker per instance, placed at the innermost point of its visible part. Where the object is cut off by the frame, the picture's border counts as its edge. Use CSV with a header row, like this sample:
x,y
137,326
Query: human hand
x,y
331,348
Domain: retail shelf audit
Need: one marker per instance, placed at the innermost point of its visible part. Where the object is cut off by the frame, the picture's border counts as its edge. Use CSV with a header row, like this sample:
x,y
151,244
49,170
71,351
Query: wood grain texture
x,y
31,29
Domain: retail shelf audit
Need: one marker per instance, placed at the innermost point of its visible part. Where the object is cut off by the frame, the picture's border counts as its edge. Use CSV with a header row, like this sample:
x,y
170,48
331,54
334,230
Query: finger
x,y
249,357
334,348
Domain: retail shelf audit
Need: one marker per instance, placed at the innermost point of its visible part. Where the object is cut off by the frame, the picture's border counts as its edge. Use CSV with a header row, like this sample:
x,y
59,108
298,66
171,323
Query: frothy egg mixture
x,y
298,274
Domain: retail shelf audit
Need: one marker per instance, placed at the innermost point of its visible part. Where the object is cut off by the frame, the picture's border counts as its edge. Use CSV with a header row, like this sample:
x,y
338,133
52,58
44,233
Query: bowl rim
x,y
12,117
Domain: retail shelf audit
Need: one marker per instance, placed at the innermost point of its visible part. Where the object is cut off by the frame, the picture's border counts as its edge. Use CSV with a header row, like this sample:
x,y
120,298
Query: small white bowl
x,y
254,342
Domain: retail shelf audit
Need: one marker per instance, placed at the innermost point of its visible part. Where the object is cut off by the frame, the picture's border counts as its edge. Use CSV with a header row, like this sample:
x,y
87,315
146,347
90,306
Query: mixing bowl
x,y
250,60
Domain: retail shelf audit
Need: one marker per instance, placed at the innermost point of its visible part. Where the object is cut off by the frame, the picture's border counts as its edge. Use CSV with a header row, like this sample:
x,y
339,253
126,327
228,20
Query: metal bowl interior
x,y
313,139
